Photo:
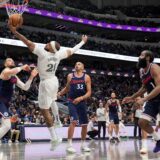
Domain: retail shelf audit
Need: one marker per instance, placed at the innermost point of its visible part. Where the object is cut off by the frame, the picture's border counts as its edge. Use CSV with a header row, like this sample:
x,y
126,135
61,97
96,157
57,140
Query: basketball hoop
x,y
16,6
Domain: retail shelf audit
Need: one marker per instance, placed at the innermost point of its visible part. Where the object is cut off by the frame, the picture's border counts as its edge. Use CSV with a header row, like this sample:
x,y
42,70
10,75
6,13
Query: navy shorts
x,y
151,109
78,112
3,110
114,118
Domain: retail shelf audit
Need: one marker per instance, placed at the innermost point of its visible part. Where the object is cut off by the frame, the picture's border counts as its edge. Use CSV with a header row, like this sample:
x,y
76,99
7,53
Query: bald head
x,y
9,62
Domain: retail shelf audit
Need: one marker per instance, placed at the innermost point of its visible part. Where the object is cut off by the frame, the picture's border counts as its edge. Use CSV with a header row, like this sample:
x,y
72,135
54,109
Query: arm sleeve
x,y
24,86
77,47
39,51
62,54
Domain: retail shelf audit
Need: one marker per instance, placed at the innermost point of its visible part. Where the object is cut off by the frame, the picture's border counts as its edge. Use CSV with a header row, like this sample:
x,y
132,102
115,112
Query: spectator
x,y
91,131
101,118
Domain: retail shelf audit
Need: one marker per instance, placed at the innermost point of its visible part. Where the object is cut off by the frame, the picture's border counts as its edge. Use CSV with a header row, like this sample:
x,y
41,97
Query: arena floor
x,y
101,150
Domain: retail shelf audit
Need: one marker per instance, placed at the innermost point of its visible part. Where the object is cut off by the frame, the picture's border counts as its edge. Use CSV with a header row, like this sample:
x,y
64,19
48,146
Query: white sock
x,y
5,126
52,132
156,136
70,142
82,143
55,111
110,137
117,135
144,143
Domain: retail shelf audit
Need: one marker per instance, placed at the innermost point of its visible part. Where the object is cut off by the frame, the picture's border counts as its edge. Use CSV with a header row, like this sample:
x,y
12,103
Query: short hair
x,y
150,54
4,63
81,63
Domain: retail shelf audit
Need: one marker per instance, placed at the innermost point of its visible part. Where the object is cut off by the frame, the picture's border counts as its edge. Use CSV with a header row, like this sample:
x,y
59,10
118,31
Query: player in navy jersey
x,y
113,108
78,88
150,77
8,79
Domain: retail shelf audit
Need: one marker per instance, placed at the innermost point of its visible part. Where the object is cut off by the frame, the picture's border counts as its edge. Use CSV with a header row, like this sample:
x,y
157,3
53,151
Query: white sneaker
x,y
56,140
143,150
58,124
85,149
54,143
9,141
16,141
70,150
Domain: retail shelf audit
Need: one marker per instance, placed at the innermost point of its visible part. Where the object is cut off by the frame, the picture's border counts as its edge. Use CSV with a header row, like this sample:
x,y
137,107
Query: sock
x,y
117,135
55,112
82,143
110,137
69,142
156,136
52,132
5,127
144,143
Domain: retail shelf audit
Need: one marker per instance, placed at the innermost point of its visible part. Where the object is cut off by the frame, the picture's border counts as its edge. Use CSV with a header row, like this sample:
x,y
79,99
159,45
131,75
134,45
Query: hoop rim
x,y
3,2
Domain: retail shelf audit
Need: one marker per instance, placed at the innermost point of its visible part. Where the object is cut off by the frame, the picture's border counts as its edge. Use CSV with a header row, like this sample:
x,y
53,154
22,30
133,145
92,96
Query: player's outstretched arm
x,y
78,46
27,42
26,86
6,73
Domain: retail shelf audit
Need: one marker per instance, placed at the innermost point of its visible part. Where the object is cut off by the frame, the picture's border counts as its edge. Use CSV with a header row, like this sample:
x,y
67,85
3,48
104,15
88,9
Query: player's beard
x,y
142,63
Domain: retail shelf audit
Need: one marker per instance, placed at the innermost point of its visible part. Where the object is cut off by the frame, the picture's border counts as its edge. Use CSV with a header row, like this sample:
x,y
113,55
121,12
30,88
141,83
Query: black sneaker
x,y
112,140
157,147
117,139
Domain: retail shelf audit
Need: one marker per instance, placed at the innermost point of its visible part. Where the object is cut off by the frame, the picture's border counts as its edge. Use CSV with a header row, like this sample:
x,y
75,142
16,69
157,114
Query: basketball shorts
x,y
113,118
151,109
4,110
48,89
78,113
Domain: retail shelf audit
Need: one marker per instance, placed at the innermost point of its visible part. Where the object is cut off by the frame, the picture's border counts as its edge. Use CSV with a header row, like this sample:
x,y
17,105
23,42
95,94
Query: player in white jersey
x,y
48,60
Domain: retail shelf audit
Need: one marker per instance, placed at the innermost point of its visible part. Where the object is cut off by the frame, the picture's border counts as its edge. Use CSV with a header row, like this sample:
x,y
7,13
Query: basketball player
x,y
113,107
8,79
150,76
48,61
78,88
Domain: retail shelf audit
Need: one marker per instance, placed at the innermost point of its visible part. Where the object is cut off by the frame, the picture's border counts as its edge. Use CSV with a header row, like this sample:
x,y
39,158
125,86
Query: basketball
x,y
16,20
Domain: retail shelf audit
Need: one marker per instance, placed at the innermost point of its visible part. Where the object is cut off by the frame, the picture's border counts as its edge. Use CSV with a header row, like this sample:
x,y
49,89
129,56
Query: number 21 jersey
x,y
48,62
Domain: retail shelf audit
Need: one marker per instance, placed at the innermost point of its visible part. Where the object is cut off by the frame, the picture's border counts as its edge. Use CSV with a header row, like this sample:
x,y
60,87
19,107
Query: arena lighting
x,y
90,22
18,43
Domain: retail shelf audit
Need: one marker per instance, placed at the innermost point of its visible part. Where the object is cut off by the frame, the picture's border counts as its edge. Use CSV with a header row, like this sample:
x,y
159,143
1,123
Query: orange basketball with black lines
x,y
16,20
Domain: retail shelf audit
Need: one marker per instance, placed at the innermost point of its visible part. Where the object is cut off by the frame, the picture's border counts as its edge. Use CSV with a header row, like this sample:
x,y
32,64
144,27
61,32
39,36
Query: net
x,y
16,6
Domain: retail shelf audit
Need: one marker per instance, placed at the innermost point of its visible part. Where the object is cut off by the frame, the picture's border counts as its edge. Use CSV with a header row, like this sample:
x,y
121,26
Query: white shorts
x,y
48,89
